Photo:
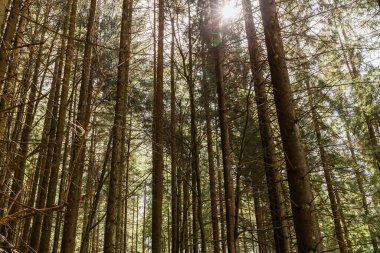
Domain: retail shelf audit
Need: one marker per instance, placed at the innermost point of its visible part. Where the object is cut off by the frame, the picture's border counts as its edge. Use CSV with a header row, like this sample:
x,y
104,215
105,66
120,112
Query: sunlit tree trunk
x,y
304,215
224,129
114,200
210,159
197,192
326,171
375,149
363,195
273,175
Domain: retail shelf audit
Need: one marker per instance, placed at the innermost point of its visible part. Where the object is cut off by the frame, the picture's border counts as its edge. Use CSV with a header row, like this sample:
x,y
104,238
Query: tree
x,y
305,220
158,159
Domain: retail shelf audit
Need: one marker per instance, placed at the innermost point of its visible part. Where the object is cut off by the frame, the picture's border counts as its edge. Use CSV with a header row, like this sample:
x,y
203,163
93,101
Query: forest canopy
x,y
189,126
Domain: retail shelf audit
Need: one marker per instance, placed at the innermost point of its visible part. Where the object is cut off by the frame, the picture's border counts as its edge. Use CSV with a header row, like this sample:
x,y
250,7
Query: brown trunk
x,y
221,206
90,181
197,192
47,120
344,223
18,164
5,56
96,199
127,168
157,148
75,178
46,161
194,208
113,200
304,215
261,238
359,179
185,187
173,146
224,132
78,153
3,8
12,154
47,142
144,221
327,171
375,149
211,164
273,175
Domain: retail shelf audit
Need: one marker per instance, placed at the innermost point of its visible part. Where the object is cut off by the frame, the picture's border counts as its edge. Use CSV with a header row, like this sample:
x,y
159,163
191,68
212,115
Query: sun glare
x,y
228,11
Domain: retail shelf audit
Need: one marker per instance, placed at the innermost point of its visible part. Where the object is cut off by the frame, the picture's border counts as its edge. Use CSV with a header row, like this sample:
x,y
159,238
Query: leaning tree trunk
x,y
304,214
326,170
5,54
359,180
3,8
273,175
375,149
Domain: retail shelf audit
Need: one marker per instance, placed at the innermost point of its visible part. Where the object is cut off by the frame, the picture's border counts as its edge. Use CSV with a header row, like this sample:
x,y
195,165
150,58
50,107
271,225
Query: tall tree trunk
x,y
111,245
375,149
221,206
261,238
273,175
73,197
5,54
304,215
326,170
224,131
158,160
197,189
210,159
78,151
194,207
3,8
363,195
173,146
90,181
344,223
144,221
96,199
46,159
17,165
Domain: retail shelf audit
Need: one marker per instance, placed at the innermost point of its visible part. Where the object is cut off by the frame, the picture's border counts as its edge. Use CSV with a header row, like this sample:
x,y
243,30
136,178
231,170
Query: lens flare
x,y
228,11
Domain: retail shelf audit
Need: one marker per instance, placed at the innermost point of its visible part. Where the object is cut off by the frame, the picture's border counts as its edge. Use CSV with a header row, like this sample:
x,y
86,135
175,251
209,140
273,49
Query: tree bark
x,y
326,170
304,214
210,159
273,175
111,245
363,195
5,54
158,160
3,8
173,146
375,149
224,131
197,190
